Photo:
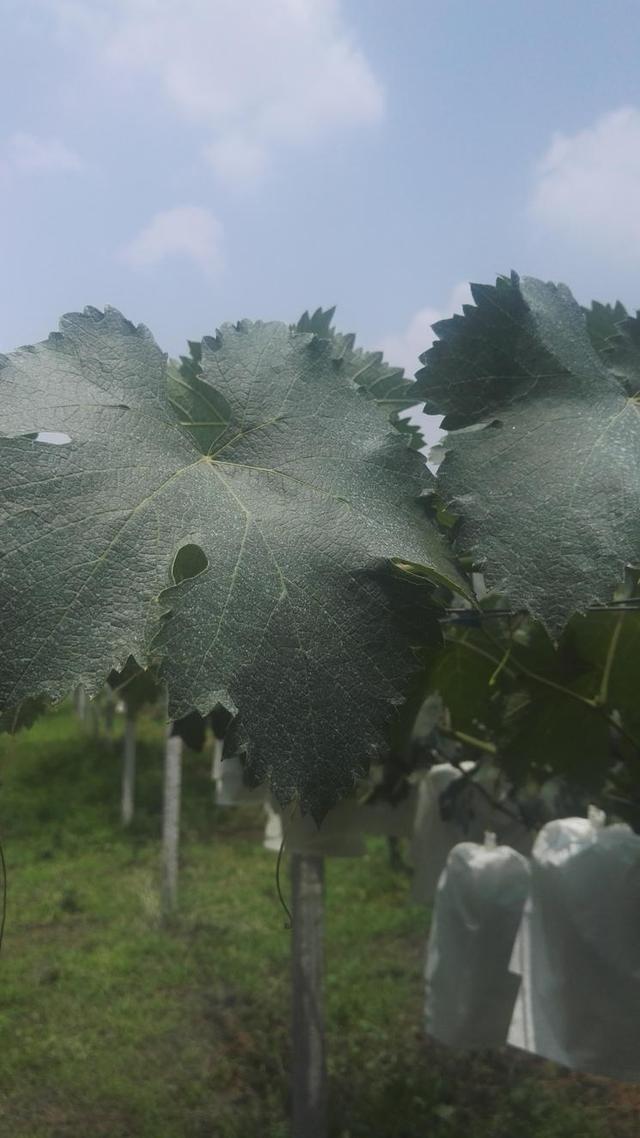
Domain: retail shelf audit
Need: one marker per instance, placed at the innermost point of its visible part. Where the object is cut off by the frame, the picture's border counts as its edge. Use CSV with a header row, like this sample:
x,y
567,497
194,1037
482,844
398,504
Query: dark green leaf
x,y
137,687
550,733
385,384
603,323
266,461
461,673
616,337
545,478
13,719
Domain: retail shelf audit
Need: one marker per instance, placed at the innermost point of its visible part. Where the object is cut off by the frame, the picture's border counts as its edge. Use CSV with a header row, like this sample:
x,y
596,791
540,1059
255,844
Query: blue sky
x,y
196,161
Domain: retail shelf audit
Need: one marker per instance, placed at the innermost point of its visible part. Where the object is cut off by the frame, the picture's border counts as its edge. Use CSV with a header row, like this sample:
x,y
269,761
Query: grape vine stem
x,y
603,693
470,740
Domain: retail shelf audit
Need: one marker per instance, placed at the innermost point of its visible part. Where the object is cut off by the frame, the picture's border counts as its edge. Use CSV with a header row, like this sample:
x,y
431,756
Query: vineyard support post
x,y
216,756
309,1074
80,702
92,716
171,821
109,716
128,768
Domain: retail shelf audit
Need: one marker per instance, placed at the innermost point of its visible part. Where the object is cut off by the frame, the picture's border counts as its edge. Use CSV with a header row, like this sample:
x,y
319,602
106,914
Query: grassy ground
x,y
112,1026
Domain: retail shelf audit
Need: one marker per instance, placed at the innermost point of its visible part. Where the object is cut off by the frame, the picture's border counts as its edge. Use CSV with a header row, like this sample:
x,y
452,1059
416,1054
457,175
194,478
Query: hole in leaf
x,y
189,561
53,438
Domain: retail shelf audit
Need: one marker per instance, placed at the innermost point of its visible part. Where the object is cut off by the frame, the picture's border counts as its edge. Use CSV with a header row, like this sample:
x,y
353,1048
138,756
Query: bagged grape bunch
x,y
578,950
469,814
470,991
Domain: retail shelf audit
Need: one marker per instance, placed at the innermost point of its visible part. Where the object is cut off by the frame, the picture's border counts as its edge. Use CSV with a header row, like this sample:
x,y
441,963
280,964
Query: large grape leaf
x,y
616,337
384,383
542,463
603,324
137,687
276,493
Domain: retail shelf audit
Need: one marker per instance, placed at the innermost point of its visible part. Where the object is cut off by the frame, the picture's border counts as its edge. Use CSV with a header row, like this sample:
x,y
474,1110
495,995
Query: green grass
x,y
114,1026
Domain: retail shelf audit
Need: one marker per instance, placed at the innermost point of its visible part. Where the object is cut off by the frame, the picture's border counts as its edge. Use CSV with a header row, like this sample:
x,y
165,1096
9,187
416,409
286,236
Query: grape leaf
x,y
461,673
548,709
552,734
603,324
379,381
291,494
545,728
137,687
616,337
545,474
14,719
385,384
222,723
609,643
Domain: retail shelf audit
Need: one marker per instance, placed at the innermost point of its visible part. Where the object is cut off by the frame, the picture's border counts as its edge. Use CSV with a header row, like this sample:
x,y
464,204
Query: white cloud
x,y
254,74
186,231
28,154
405,348
236,159
588,185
